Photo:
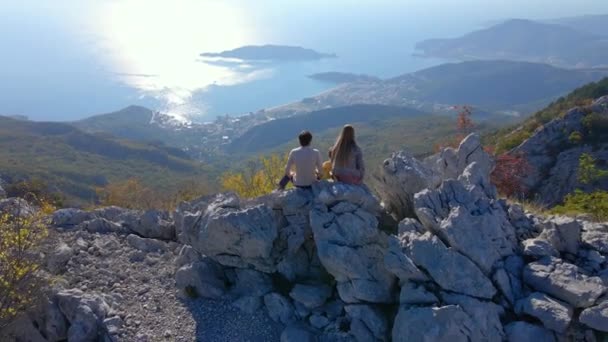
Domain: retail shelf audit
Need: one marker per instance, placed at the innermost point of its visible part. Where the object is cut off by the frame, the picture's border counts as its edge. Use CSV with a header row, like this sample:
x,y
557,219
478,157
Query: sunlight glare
x,y
155,45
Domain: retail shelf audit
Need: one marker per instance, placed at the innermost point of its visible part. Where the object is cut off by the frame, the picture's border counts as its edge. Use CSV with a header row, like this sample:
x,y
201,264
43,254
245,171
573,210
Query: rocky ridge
x,y
330,265
553,158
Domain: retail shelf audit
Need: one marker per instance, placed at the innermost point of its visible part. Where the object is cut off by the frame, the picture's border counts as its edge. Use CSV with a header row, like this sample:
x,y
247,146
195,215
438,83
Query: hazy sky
x,y
152,46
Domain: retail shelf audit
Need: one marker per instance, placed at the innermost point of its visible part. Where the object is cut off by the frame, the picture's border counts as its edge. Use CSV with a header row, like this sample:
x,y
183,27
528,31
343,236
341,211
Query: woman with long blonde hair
x,y
347,158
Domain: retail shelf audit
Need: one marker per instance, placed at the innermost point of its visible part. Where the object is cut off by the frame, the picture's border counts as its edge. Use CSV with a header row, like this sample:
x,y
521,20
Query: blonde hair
x,y
345,144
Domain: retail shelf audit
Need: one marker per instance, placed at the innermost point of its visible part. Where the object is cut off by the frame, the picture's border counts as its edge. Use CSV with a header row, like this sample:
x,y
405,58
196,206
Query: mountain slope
x,y
524,40
493,85
74,162
279,131
594,24
138,123
510,137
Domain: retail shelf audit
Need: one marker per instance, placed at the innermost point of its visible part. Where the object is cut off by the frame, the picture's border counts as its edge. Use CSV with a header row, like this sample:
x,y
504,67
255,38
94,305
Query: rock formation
x,y
553,158
462,264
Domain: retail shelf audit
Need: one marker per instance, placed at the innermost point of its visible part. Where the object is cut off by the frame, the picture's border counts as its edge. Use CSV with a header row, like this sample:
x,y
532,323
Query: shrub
x,y
575,137
258,178
588,173
594,204
507,175
597,127
21,235
134,194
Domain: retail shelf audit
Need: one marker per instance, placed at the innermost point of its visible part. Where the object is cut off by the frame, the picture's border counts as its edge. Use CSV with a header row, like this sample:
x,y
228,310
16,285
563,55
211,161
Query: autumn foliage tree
x,y
464,122
258,178
464,127
507,175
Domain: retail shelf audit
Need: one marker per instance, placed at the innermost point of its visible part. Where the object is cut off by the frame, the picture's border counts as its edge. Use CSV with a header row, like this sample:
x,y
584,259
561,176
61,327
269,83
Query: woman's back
x,y
347,158
351,167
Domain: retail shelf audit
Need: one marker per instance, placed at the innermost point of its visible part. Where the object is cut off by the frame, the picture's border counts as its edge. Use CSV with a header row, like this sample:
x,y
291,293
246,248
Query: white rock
x,y
101,225
398,263
470,223
430,254
596,317
58,259
351,248
485,315
539,247
146,245
563,281
596,235
402,176
554,315
236,238
154,224
69,217
205,277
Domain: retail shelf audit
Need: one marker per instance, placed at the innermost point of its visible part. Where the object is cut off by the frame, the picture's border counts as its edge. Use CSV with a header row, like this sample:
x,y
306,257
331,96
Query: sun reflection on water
x,y
154,46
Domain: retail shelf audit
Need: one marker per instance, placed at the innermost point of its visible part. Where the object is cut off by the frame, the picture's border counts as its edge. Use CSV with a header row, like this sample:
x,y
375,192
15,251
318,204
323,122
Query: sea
x,y
65,60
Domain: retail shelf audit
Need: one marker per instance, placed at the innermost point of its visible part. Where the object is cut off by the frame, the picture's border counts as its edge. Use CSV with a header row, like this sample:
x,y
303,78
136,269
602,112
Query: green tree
x,y
21,235
588,173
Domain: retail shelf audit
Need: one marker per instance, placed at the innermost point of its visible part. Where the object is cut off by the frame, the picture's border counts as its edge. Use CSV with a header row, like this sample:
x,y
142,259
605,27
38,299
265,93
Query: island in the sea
x,y
278,53
342,77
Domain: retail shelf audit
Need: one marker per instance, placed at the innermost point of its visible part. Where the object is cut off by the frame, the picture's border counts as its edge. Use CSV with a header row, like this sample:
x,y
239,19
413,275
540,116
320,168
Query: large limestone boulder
x,y
473,225
596,236
451,162
430,254
596,317
230,235
153,224
485,314
564,281
349,244
17,207
554,315
202,278
401,176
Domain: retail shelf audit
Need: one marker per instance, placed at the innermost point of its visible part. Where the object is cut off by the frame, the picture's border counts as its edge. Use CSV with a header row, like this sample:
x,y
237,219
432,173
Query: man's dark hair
x,y
305,138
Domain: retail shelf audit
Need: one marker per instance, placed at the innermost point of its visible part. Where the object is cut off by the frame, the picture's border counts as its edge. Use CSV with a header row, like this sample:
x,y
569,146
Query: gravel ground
x,y
218,321
141,289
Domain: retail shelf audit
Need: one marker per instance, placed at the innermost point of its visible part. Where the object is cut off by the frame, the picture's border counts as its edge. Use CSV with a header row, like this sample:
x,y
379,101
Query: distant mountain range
x,y
498,86
594,24
489,86
75,162
568,42
276,53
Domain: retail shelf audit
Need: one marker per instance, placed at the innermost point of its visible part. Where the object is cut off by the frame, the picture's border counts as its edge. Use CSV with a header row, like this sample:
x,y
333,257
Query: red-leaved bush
x,y
508,173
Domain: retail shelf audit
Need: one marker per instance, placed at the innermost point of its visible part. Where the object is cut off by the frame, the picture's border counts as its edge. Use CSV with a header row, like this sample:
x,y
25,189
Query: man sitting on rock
x,y
307,163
